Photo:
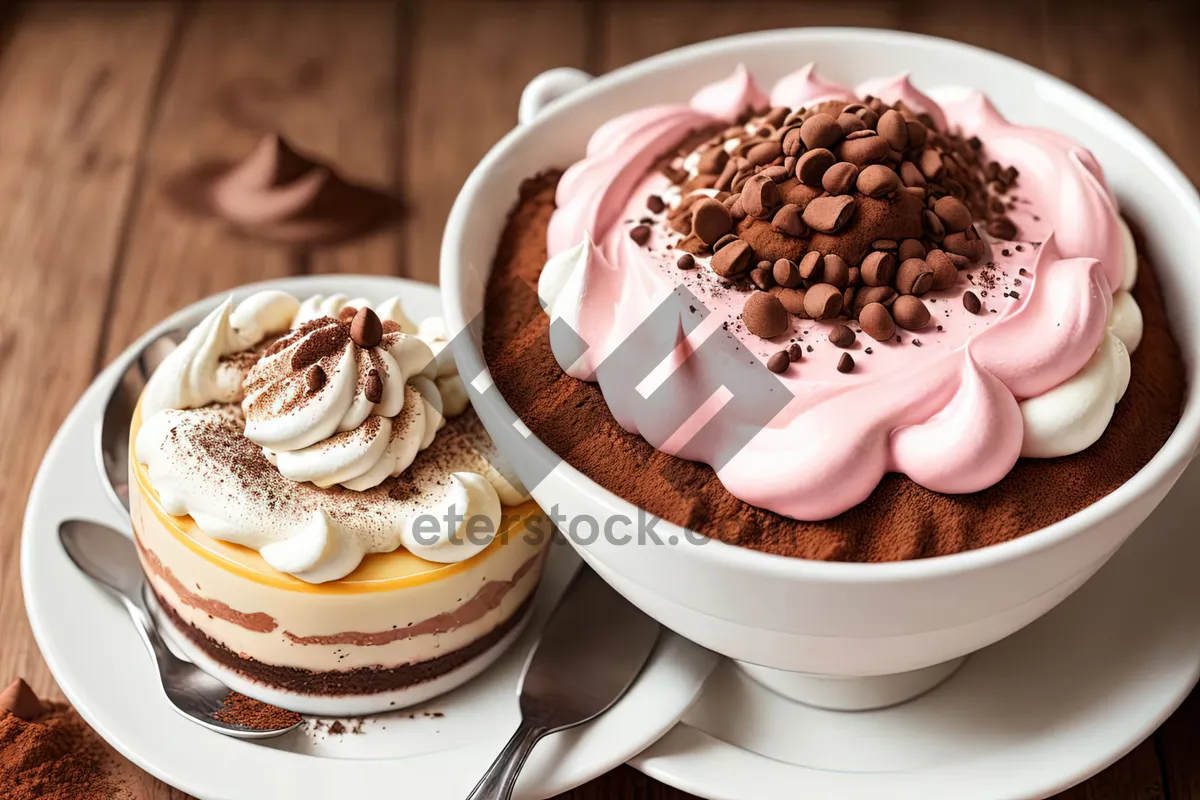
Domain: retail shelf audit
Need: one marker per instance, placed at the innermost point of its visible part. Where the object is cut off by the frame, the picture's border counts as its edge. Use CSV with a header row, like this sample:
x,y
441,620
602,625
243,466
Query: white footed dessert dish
x,y
977,498
317,510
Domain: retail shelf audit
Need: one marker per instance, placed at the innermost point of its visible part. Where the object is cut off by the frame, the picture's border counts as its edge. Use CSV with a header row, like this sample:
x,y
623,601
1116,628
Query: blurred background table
x,y
101,103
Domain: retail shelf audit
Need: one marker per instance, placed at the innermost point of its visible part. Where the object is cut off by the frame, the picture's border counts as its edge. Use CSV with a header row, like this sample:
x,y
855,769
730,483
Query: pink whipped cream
x,y
943,405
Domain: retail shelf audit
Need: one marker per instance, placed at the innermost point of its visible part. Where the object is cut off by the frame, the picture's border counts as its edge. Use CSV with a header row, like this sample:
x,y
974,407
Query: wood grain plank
x,y
471,58
1144,65
633,31
1179,748
76,87
1137,776
627,784
324,74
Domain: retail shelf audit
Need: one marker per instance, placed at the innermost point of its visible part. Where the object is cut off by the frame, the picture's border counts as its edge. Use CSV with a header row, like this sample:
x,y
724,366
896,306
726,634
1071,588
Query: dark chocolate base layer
x,y
334,683
900,520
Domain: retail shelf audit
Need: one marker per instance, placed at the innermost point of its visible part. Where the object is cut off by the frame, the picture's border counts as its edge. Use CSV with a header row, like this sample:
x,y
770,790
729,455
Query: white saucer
x,y
438,751
1027,717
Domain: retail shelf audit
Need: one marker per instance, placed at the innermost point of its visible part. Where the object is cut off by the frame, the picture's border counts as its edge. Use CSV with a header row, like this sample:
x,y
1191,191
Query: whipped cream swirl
x,y
285,446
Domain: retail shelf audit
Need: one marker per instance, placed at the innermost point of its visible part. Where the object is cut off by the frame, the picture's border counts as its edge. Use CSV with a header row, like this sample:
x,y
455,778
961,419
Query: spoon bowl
x,y
110,558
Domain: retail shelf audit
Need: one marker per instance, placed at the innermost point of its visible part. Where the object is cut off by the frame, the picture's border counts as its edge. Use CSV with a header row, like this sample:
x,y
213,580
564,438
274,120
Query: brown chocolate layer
x,y
483,602
257,621
900,520
358,681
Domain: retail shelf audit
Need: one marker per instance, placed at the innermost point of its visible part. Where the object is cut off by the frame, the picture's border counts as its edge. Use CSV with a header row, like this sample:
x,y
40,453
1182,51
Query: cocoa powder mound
x,y
900,520
58,757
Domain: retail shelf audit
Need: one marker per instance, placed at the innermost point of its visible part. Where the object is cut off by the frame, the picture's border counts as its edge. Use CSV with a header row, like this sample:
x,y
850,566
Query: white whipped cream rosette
x,y
287,449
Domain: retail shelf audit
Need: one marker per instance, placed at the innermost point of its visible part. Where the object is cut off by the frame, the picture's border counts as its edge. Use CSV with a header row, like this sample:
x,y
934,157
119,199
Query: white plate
x,y
1027,717
106,673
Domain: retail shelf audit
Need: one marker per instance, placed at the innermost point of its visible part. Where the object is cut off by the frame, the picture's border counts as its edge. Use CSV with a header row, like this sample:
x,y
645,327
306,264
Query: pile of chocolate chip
x,y
840,211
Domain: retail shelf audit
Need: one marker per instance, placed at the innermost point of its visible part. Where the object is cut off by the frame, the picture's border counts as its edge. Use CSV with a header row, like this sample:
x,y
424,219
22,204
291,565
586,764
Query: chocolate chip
x,y
884,295
820,130
792,300
795,351
972,303
776,116
914,276
728,172
792,143
845,364
777,173
870,117
910,313
374,387
1002,228
930,164
365,329
725,240
760,197
842,336
823,301
918,134
840,178
894,129
314,378
884,244
849,123
655,204
933,225
762,278
828,214
765,315
966,243
786,273
911,248
878,268
877,181
732,259
877,322
710,220
911,176
779,362
953,213
811,167
764,153
836,271
641,234
945,274
861,150
811,266
788,220
686,261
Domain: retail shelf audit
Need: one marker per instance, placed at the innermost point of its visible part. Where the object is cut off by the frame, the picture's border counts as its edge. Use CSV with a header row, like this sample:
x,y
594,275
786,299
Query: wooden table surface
x,y
101,103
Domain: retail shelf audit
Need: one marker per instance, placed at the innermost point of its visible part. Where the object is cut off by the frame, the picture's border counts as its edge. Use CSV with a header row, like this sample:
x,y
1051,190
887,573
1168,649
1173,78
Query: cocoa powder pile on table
x,y
900,520
47,752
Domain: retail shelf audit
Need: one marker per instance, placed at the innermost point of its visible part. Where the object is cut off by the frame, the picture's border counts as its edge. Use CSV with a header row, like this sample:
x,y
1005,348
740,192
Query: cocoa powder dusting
x,y
56,756
900,520
237,709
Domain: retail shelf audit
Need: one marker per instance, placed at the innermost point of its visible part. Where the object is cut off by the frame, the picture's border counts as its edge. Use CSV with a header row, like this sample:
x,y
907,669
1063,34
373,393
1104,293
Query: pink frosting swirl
x,y
951,419
805,87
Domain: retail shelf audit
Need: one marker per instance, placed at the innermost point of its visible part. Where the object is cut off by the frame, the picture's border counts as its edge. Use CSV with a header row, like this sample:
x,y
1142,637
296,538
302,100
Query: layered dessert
x,y
835,324
318,511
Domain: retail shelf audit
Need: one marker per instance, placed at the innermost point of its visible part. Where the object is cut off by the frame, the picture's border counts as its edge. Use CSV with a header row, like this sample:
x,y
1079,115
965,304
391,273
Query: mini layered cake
x,y
319,513
836,324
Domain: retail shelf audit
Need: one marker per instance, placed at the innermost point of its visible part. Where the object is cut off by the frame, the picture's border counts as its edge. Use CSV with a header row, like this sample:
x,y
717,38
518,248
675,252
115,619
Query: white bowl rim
x,y
1179,449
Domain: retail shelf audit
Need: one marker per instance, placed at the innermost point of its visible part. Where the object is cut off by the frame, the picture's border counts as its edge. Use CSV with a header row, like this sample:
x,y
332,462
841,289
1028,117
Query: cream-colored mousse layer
x,y
394,609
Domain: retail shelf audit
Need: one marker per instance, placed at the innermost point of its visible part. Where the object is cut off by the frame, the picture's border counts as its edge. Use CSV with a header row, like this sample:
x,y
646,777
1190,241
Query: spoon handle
x,y
497,783
147,629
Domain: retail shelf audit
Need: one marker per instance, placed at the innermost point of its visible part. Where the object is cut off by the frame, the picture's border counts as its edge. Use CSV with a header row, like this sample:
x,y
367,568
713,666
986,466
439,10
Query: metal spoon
x,y
590,652
109,557
113,440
